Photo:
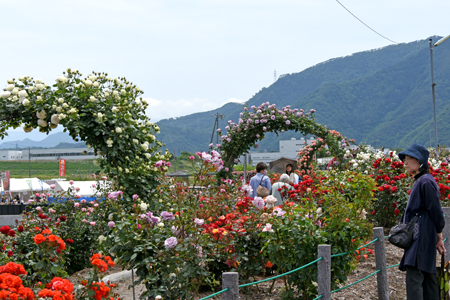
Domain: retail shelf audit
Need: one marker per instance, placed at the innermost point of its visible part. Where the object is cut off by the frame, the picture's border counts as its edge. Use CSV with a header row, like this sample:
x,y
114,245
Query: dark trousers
x,y
421,285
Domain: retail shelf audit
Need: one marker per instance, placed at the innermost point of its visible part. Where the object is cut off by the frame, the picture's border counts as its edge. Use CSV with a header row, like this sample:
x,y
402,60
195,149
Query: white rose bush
x,y
106,113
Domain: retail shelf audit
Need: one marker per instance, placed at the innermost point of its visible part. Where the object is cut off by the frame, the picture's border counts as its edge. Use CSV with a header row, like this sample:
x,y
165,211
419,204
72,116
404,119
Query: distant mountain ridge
x,y
56,140
380,97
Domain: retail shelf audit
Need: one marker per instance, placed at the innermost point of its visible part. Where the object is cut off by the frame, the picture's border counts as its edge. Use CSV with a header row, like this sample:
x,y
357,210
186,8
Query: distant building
x,y
10,155
288,149
56,154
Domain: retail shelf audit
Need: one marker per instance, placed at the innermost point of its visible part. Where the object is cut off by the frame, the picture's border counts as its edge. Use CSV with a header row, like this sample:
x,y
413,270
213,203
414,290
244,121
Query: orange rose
x,y
39,238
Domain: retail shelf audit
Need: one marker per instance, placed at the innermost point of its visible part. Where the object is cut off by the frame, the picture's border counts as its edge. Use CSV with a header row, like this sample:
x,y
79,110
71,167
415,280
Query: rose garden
x,y
181,239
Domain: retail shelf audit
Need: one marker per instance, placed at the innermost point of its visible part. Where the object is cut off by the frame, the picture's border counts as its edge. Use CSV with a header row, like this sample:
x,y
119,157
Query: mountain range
x,y
56,140
380,97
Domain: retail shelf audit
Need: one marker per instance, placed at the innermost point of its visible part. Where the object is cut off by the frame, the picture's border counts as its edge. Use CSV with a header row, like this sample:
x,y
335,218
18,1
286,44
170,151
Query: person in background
x,y
260,178
278,188
293,178
419,261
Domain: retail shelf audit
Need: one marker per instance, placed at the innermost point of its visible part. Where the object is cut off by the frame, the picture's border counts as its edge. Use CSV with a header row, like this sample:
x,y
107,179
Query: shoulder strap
x,y
261,180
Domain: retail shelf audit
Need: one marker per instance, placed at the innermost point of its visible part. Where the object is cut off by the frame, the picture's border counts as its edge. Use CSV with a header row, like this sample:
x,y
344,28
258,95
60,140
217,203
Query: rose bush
x,y
108,114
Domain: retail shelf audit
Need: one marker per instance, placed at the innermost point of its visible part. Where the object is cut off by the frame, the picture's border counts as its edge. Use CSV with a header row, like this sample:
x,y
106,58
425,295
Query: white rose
x,y
145,147
92,78
100,115
135,141
14,98
6,94
65,105
15,91
30,88
92,99
118,130
26,102
96,84
60,100
101,239
114,109
148,155
143,206
88,82
41,114
42,123
62,116
73,110
23,94
54,119
109,142
10,87
59,109
160,224
115,93
38,80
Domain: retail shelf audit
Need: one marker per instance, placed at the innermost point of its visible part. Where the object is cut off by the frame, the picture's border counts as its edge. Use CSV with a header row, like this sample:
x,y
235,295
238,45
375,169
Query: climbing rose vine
x,y
108,114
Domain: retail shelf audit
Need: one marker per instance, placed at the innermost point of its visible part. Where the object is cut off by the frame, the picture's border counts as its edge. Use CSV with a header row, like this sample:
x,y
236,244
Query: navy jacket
x,y
425,198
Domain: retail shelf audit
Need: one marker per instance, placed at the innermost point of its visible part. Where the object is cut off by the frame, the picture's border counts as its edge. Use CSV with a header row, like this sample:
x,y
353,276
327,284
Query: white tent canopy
x,y
87,188
19,185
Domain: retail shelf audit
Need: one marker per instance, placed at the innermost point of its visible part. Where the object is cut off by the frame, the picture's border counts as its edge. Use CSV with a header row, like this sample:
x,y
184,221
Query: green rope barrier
x,y
393,266
218,293
318,297
444,239
386,237
281,275
362,246
347,286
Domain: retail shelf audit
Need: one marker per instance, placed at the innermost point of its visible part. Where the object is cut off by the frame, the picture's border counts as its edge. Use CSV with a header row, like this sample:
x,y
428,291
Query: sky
x,y
196,55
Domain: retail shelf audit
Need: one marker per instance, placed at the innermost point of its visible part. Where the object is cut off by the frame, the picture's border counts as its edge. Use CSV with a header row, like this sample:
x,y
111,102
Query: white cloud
x,y
164,109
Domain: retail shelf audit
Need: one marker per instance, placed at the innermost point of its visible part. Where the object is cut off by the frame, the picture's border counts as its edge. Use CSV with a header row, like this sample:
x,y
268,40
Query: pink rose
x,y
77,204
71,182
92,223
52,186
84,221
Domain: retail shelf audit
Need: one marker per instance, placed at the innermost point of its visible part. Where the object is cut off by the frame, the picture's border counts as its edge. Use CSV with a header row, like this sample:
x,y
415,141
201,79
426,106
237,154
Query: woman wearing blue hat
x,y
419,261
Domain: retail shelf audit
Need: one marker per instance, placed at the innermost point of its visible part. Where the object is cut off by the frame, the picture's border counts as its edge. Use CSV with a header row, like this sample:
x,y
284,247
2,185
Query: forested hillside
x,y
380,96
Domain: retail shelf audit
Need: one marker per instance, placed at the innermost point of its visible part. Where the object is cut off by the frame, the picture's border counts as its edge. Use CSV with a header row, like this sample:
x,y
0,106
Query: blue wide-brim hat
x,y
417,151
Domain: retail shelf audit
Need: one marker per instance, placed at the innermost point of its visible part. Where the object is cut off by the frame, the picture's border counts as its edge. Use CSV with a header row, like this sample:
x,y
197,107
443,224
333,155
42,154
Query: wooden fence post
x,y
446,231
380,259
230,280
324,272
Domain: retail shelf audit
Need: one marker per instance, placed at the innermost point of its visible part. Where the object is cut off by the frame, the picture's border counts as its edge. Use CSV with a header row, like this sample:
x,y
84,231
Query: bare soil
x,y
366,289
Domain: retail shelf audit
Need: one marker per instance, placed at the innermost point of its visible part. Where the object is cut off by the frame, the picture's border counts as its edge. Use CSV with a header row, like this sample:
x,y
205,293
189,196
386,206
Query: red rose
x,y
396,211
10,253
63,218
5,229
394,205
373,213
20,228
12,233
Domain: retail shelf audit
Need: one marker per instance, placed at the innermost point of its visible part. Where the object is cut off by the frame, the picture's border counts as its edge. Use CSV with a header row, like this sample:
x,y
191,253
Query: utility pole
x,y
29,162
216,127
174,156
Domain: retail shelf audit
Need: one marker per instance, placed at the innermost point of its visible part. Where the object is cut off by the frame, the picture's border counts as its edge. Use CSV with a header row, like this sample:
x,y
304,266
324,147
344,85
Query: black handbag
x,y
402,234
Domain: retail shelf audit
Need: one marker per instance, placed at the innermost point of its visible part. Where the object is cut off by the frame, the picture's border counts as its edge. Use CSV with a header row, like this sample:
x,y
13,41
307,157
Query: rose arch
x,y
108,114
255,123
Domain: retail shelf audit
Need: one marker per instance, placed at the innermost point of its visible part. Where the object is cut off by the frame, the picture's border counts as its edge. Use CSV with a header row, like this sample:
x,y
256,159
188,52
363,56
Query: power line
x,y
366,24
